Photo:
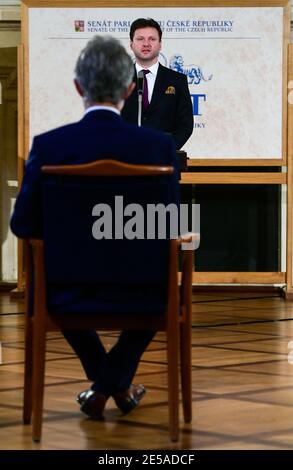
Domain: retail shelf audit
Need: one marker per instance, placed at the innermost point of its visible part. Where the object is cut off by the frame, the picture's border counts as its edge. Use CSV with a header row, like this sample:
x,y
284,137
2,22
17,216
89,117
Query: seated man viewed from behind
x,y
103,78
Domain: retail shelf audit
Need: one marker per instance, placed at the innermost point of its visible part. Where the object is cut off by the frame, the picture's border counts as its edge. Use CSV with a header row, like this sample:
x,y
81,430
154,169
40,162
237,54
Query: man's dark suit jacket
x,y
170,109
100,134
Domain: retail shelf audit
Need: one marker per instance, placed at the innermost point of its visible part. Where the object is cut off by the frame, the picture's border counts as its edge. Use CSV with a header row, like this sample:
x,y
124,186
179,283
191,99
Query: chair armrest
x,y
192,239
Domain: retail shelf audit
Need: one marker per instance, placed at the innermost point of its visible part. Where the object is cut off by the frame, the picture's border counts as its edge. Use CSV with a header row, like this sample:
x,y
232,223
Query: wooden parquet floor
x,y
242,383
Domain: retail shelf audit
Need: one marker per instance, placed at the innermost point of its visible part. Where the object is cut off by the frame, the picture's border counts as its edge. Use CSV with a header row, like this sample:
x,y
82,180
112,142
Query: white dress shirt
x,y
99,107
150,77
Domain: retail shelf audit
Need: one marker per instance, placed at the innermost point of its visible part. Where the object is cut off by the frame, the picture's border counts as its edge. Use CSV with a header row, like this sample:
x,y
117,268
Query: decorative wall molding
x,y
9,3
9,11
8,77
9,26
10,8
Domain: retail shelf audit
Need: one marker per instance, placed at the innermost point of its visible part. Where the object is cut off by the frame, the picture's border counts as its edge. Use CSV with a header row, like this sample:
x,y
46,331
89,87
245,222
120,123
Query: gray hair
x,y
104,70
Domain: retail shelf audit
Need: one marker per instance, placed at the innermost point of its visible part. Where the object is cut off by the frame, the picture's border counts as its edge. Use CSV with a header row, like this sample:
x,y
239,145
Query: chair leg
x,y
185,370
28,371
185,335
173,388
39,356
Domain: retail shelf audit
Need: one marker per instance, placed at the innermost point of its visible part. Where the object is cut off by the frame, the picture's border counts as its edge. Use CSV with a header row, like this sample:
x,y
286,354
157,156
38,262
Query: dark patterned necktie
x,y
145,93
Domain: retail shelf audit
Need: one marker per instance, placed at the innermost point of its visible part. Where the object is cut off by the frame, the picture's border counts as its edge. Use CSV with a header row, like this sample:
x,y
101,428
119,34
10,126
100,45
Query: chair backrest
x,y
114,273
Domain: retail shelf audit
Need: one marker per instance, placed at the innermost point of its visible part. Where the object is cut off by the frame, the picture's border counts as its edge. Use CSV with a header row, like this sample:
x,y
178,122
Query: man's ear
x,y
129,90
78,88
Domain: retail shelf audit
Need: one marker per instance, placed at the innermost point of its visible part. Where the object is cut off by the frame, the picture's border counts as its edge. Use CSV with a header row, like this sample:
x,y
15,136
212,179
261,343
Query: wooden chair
x,y
175,319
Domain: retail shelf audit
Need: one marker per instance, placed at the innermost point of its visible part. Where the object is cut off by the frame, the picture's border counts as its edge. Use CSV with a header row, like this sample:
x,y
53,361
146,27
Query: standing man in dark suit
x,y
168,107
104,74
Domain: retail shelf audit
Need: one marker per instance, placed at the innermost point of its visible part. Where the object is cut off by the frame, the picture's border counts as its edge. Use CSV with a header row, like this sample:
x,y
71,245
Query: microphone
x,y
140,79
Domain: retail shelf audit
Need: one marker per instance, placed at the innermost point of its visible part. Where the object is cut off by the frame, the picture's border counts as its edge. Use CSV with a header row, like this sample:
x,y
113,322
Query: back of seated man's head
x,y
104,70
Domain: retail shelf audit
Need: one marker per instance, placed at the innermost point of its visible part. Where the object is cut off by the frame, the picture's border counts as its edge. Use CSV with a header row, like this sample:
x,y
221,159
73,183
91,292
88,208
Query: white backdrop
x,y
232,57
